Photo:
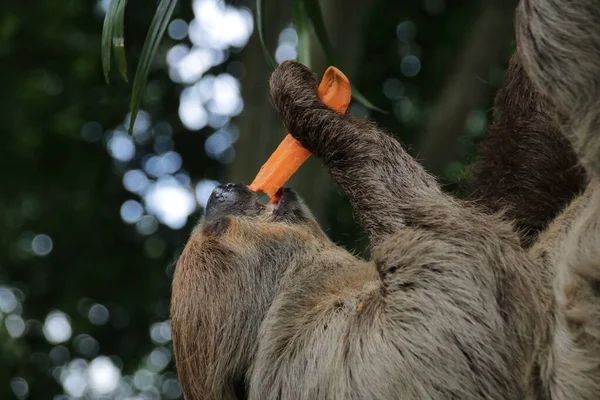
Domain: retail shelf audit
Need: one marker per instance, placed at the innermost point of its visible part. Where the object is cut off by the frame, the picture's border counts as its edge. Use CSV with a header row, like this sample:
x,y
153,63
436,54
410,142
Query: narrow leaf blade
x,y
157,29
262,32
118,41
313,10
107,35
358,96
302,26
120,58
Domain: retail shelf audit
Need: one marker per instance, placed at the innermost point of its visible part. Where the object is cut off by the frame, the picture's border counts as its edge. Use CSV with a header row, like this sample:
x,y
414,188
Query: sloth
x,y
496,296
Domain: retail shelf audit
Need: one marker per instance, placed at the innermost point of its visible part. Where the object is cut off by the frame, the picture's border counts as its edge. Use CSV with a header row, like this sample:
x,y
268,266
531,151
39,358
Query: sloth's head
x,y
240,232
244,247
232,208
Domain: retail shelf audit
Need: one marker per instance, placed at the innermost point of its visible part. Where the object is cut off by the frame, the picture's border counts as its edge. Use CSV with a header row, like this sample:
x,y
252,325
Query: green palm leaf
x,y
118,40
302,26
112,35
262,32
157,29
313,10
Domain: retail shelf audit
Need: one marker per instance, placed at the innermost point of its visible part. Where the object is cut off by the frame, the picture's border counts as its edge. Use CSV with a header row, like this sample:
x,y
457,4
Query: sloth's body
x,y
455,303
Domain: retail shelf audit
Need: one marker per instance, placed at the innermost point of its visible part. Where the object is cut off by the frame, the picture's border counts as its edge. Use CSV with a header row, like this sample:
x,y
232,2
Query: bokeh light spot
x,y
159,359
135,181
434,7
191,110
143,379
86,345
160,332
220,25
91,131
98,314
57,328
41,245
171,388
147,225
59,355
8,300
285,51
204,189
176,54
410,66
142,122
131,211
103,375
393,88
14,325
121,147
476,122
170,202
19,387
178,29
406,31
226,98
165,164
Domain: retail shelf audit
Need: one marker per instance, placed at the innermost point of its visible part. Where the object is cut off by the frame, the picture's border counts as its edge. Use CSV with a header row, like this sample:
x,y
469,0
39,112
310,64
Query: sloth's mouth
x,y
238,200
284,196
287,208
263,201
270,207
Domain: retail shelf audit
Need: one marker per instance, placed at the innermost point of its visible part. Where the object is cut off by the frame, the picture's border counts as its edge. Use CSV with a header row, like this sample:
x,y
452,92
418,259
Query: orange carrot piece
x,y
334,90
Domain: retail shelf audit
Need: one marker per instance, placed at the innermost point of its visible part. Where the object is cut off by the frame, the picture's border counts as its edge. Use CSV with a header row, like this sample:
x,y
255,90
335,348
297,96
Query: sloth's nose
x,y
231,199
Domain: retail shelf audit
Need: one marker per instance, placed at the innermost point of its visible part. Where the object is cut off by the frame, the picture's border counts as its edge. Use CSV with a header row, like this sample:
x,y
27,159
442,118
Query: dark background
x,y
92,220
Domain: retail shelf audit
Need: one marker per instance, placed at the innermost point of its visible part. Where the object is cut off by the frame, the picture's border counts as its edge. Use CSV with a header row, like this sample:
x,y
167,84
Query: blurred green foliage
x,y
63,242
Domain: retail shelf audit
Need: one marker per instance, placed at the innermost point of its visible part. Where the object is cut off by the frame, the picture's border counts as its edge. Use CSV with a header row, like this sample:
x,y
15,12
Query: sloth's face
x,y
236,218
239,232
234,204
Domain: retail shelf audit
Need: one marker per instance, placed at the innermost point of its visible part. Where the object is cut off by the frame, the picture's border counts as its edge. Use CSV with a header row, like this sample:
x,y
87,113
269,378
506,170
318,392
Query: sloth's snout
x,y
231,199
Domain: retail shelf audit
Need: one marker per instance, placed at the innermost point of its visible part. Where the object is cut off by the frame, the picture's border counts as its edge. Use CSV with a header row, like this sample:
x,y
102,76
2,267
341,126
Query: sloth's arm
x,y
388,189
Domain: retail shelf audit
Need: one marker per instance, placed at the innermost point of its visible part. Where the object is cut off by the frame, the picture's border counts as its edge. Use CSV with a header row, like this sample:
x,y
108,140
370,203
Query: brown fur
x,y
526,168
450,306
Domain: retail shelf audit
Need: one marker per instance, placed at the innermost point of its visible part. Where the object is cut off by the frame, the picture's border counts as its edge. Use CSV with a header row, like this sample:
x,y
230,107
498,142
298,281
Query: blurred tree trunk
x,y
465,89
260,128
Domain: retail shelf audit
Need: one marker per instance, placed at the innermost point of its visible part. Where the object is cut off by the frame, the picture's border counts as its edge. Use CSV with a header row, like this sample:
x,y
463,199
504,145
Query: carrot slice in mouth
x,y
335,92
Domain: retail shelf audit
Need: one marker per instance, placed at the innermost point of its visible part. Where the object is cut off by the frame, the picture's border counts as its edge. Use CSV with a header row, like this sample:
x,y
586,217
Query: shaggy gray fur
x,y
451,305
